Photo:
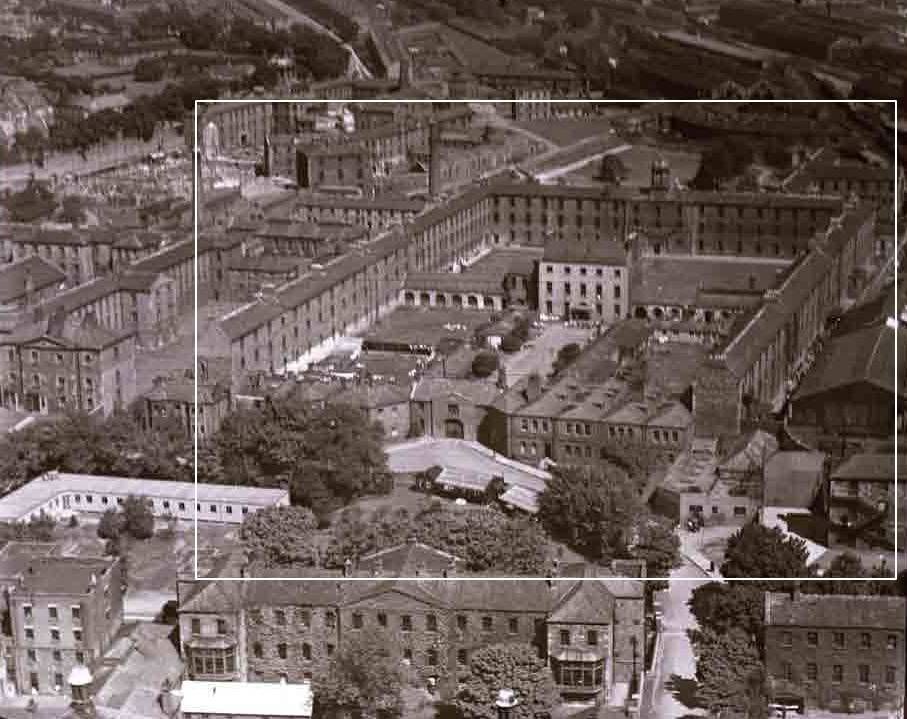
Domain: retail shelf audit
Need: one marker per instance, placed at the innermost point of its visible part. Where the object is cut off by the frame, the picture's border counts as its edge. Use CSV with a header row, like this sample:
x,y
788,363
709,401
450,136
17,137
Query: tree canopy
x,y
757,551
485,539
364,678
516,666
722,606
278,536
593,511
730,673
327,457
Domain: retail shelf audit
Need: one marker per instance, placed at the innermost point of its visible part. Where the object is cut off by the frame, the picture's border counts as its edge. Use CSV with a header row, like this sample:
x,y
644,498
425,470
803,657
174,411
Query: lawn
x,y
565,132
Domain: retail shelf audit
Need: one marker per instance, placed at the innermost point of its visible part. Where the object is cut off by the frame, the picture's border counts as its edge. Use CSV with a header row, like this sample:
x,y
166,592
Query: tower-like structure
x,y
661,175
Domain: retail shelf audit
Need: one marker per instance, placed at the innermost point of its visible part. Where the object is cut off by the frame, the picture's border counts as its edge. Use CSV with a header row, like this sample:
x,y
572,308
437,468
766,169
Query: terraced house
x,y
592,633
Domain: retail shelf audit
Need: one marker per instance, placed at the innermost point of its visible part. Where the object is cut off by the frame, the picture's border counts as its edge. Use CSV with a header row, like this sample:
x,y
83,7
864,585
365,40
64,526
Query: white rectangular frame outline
x,y
195,196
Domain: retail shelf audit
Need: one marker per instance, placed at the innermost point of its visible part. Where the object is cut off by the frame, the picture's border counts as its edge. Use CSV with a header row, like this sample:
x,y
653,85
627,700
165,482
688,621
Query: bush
x,y
511,343
138,518
111,525
566,356
484,364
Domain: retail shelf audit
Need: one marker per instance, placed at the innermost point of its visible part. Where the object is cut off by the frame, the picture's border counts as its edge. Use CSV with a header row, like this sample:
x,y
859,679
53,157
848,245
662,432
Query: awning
x,y
211,642
458,479
521,498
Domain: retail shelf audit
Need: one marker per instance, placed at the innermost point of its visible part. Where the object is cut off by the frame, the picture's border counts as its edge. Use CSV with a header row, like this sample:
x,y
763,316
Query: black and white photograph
x,y
452,359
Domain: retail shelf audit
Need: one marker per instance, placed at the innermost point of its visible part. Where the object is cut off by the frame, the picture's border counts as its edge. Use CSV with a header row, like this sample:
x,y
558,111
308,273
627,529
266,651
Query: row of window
x,y
54,634
864,673
583,290
303,617
567,269
839,640
56,655
53,613
166,504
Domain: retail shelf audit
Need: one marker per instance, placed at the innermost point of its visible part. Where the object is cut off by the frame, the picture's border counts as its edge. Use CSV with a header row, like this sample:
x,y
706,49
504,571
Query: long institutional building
x,y
822,238
591,633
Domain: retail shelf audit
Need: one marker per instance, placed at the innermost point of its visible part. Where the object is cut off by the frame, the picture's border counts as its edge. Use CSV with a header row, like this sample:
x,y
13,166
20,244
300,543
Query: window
x,y
408,654
307,652
76,614
27,612
592,637
58,680
463,659
282,650
453,410
462,622
77,634
357,620
256,650
787,671
80,657
787,639
330,619
865,640
55,635
890,673
406,623
487,623
382,619
513,625
32,655
863,670
196,626
812,639
33,679
58,655
432,657
221,626
52,612
431,623
837,640
565,637
812,672
29,633
280,617
892,641
837,673
329,649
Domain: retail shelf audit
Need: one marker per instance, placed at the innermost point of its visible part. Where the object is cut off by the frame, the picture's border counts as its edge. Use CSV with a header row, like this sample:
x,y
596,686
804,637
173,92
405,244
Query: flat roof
x,y
246,699
39,491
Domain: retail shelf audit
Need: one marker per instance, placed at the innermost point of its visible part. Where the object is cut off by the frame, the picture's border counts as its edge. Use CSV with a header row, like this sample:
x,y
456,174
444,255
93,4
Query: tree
x,y
613,170
514,666
594,511
566,356
510,343
364,679
149,70
37,529
279,536
111,525
484,364
72,210
730,673
328,456
757,551
138,517
658,545
720,607
34,202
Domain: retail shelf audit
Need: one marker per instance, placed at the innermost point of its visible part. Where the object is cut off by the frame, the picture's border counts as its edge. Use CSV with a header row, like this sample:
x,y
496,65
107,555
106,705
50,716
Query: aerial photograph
x,y
452,359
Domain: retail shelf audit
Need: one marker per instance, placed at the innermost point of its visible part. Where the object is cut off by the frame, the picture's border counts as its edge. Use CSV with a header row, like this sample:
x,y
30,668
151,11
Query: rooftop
x,y
28,498
868,466
246,699
63,575
840,610
604,252
15,277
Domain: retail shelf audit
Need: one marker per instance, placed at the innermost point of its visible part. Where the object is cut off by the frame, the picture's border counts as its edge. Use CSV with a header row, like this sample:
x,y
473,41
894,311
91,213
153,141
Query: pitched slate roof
x,y
407,560
14,276
863,356
878,466
602,252
838,610
585,603
792,479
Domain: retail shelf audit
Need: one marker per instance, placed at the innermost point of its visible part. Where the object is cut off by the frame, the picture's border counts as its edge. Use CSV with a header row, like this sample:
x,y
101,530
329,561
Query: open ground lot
x,y
538,354
638,161
567,132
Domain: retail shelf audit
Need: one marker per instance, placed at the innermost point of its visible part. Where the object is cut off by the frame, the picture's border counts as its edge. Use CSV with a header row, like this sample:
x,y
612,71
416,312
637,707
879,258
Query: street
x,y
671,686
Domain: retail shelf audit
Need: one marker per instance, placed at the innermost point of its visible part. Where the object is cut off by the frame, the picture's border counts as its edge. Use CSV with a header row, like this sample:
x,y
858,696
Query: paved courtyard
x,y
538,354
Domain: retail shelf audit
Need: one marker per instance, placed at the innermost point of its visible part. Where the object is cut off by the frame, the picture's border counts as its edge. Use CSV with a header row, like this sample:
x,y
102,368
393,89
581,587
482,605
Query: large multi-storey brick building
x,y
591,632
62,612
67,363
830,650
